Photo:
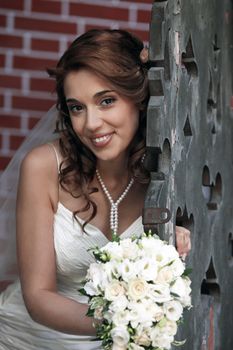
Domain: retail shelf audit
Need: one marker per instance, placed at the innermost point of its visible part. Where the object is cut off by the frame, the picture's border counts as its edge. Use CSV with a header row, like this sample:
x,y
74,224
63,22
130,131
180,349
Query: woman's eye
x,y
75,108
107,101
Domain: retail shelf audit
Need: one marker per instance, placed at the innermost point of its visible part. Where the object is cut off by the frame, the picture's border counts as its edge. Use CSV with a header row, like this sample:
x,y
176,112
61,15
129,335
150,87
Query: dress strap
x,y
57,156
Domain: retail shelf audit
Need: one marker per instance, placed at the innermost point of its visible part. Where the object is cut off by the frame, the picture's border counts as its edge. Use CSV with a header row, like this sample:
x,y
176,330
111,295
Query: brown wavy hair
x,y
113,55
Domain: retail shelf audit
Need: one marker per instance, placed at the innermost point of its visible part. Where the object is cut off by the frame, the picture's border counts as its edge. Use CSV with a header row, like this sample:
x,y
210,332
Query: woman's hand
x,y
183,241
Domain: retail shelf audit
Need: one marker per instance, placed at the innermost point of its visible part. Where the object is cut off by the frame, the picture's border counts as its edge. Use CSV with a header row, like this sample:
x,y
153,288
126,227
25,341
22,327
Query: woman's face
x,y
104,121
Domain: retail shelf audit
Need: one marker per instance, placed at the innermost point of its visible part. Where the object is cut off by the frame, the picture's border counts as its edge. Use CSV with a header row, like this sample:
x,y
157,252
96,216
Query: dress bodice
x,y
17,330
72,247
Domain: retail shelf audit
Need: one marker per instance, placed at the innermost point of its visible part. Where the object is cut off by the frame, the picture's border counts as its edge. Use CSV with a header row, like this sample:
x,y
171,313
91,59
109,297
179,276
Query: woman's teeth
x,y
101,139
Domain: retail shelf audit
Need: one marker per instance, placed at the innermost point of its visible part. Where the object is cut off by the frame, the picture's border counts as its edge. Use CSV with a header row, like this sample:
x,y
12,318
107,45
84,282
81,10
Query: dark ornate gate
x,y
190,144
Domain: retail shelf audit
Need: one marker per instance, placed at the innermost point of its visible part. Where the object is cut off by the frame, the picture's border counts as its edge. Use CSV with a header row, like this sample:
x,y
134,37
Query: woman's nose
x,y
93,119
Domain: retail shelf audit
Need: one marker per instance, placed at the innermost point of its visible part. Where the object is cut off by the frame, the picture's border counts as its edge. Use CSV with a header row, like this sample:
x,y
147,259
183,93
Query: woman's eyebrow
x,y
98,94
73,100
103,92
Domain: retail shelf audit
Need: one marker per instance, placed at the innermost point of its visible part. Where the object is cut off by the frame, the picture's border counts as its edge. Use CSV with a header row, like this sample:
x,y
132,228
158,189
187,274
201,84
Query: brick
x,y
139,1
96,11
144,16
32,63
16,141
2,21
141,34
92,26
45,45
2,61
12,41
32,122
30,103
12,4
8,121
4,161
46,6
1,100
45,25
40,84
9,81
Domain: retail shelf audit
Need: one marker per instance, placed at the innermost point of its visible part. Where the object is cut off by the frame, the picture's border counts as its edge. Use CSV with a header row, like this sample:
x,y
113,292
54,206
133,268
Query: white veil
x,y
43,132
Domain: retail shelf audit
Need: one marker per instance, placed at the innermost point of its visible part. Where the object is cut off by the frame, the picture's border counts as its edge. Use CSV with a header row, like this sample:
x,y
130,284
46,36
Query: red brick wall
x,y
33,35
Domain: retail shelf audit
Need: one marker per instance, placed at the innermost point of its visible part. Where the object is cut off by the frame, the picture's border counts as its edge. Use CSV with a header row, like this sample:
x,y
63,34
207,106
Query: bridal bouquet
x,y
139,288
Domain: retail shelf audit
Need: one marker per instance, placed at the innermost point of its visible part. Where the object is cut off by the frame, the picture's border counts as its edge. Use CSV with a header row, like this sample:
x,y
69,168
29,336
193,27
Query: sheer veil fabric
x,y
43,132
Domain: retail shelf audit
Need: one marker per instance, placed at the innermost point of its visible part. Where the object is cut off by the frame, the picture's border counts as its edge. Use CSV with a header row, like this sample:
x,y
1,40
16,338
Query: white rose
x,y
108,315
160,293
91,289
120,336
161,340
165,275
142,336
181,287
167,254
173,310
110,269
96,275
117,347
127,270
121,318
113,290
114,250
137,288
135,347
177,267
157,312
140,313
118,304
147,268
170,327
129,249
150,246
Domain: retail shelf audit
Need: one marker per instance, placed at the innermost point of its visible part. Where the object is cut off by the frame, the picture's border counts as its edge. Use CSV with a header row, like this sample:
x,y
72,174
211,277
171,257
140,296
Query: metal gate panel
x,y
190,147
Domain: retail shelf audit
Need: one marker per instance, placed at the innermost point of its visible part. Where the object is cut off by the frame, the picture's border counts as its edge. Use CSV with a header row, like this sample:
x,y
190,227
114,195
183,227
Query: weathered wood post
x,y
190,145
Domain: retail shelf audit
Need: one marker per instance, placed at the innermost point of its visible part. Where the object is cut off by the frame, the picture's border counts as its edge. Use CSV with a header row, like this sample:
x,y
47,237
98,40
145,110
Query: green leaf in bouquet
x,y
162,322
99,254
178,342
175,295
103,332
180,321
187,271
150,234
82,291
170,263
97,302
90,312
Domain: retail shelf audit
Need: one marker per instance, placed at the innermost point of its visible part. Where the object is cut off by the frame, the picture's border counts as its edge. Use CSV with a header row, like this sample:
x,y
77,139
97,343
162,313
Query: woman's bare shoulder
x,y
41,158
39,176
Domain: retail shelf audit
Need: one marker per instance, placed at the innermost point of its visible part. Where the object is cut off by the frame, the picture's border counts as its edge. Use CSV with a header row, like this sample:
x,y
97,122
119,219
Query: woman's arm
x,y
36,203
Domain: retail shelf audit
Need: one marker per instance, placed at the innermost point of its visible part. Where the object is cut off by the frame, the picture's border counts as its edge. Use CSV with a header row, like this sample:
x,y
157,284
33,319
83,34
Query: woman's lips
x,y
101,140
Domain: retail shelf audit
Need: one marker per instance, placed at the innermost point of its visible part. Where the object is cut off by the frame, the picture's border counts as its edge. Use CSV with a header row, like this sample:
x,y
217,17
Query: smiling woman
x,y
75,190
104,121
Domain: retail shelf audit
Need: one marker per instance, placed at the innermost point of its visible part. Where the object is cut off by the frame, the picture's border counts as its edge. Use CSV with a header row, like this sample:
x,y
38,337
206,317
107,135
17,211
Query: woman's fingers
x,y
183,241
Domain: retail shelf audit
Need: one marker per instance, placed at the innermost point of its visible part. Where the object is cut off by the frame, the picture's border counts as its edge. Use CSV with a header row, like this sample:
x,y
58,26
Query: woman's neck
x,y
114,172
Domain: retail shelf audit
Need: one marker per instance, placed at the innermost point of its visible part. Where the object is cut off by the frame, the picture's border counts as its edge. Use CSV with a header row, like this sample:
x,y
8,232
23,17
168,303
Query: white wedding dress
x,y
17,330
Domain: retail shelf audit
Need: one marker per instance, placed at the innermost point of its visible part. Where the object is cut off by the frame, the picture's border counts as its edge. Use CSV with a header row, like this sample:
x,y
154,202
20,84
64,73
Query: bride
x,y
75,191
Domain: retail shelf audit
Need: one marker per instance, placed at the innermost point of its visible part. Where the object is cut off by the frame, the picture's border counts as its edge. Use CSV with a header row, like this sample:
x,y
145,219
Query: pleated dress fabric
x,y
17,330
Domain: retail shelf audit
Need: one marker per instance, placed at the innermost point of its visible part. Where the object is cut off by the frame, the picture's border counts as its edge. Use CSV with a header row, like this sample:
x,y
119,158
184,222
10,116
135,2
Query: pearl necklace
x,y
114,205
